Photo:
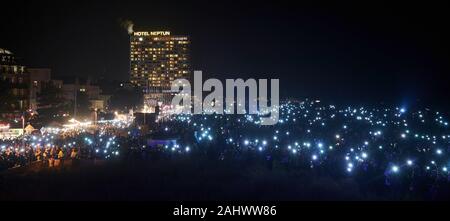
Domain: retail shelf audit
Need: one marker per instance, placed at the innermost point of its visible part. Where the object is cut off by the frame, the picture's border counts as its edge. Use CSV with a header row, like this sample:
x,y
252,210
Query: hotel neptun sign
x,y
153,33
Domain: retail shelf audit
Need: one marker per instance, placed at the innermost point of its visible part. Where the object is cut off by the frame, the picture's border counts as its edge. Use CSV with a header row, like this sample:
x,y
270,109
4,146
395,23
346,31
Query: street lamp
x,y
23,130
95,116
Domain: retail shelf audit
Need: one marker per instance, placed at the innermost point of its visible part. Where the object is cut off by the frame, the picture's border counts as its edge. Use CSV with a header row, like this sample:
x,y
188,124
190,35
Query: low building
x,y
71,87
8,131
97,104
39,76
16,89
93,92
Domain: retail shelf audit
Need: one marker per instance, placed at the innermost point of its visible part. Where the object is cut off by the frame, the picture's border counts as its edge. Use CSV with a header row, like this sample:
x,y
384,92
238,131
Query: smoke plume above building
x,y
127,25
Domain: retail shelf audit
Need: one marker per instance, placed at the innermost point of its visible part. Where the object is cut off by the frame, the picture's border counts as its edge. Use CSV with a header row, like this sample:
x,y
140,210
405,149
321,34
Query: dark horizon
x,y
343,52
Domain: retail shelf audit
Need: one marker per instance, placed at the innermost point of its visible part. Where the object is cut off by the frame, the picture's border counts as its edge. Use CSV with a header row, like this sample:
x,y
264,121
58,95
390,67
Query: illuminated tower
x,y
156,59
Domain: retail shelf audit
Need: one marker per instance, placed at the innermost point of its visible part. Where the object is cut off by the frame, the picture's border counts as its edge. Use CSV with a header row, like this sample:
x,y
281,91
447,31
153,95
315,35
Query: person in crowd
x,y
73,154
38,154
61,156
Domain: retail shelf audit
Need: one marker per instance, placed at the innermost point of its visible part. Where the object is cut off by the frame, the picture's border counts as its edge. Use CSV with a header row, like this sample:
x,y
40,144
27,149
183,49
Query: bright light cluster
x,y
391,141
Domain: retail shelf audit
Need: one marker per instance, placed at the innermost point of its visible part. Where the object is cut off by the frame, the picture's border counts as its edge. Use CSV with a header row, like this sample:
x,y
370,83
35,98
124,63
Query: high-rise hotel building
x,y
156,59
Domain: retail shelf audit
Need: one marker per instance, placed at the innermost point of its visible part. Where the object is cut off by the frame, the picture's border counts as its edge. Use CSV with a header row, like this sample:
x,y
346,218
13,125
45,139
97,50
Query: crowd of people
x,y
17,156
53,147
382,148
387,149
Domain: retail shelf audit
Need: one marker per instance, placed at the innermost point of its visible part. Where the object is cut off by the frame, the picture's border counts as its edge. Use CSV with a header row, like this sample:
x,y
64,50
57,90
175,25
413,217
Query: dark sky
x,y
349,52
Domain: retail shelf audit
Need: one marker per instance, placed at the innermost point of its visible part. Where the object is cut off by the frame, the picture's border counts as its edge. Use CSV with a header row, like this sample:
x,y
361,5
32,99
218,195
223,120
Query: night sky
x,y
342,52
